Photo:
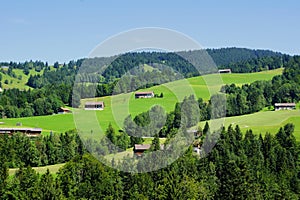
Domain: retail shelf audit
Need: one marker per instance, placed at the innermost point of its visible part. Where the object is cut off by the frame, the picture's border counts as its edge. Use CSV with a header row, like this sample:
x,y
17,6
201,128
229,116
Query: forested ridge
x,y
53,87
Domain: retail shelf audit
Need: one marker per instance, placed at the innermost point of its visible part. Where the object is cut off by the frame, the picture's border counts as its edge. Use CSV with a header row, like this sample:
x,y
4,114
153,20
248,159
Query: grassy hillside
x,y
56,123
265,121
173,92
18,82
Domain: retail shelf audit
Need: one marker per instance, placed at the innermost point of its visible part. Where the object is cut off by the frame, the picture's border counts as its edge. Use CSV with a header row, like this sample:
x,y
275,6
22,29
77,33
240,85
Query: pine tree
x,y
3,176
110,134
206,128
155,146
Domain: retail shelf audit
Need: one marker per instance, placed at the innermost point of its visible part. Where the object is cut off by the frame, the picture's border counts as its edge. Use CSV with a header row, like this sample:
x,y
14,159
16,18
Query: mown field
x,y
120,106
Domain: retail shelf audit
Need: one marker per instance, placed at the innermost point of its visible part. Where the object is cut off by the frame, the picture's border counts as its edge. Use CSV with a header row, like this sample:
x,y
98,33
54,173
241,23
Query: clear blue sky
x,y
69,29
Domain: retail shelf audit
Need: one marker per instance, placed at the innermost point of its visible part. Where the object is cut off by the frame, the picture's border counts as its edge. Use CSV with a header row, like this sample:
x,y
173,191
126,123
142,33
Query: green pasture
x,y
16,82
264,121
120,106
56,123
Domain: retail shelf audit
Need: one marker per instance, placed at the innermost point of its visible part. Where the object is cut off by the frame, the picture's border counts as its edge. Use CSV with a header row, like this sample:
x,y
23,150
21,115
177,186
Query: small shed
x,y
94,105
285,106
139,95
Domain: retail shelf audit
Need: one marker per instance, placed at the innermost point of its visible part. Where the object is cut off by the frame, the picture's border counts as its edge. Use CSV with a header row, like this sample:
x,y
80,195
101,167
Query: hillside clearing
x,y
41,170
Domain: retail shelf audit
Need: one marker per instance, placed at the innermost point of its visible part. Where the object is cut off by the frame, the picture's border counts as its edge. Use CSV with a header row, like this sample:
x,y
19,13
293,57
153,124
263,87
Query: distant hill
x,y
37,74
226,56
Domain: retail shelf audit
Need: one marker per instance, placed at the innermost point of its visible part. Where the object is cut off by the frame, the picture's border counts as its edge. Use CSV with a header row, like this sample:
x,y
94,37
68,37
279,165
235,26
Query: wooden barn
x,y
139,95
62,110
31,132
139,149
94,105
224,71
285,106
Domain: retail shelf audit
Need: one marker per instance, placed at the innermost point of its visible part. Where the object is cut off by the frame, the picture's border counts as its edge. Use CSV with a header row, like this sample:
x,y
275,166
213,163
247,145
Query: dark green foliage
x,y
206,128
248,167
86,177
37,102
254,97
55,86
3,176
110,134
238,58
155,146
19,150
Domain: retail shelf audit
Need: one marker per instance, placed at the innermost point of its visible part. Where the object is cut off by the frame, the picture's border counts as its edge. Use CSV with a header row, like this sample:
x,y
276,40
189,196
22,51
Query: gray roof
x,y
94,103
142,146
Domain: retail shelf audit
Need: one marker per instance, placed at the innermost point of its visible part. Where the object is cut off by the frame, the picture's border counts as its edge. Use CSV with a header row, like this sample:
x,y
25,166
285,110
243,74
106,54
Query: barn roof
x,y
224,70
285,104
65,109
21,129
149,92
145,146
142,146
94,103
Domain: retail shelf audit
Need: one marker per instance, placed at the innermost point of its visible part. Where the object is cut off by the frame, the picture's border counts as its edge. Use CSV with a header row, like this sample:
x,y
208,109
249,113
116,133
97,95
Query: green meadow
x,y
53,169
120,106
19,81
264,121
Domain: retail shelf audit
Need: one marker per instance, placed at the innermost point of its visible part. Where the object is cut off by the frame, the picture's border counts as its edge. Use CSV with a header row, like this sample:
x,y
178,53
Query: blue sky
x,y
69,29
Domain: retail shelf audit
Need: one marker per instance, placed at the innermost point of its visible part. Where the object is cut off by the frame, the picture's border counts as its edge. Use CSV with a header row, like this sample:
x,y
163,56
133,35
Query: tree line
x,y
239,167
54,87
16,103
19,150
253,97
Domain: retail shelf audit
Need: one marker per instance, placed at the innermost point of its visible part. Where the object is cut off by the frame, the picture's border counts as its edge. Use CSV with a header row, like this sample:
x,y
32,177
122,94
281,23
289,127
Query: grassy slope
x,y
173,92
56,123
265,121
16,83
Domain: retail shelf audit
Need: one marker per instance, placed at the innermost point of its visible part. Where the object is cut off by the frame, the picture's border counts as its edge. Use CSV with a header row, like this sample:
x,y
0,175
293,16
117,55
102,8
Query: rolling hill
x,y
61,123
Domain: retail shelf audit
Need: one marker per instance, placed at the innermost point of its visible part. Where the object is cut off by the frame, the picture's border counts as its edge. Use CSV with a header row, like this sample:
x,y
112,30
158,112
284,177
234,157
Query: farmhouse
x,y
224,71
31,132
149,94
139,149
94,105
285,106
62,110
